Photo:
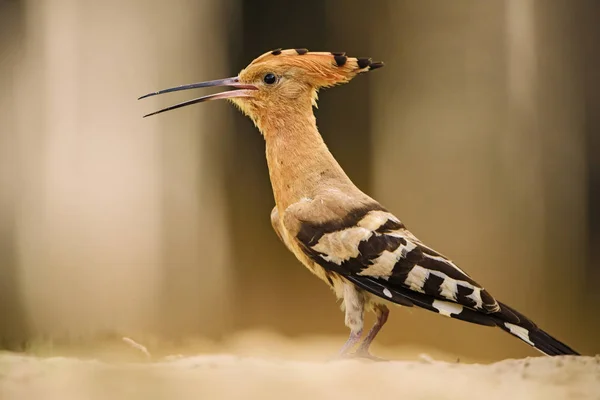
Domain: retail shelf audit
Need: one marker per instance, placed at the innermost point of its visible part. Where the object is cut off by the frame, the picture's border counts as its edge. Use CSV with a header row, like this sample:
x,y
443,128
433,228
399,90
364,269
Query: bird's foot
x,y
365,354
359,354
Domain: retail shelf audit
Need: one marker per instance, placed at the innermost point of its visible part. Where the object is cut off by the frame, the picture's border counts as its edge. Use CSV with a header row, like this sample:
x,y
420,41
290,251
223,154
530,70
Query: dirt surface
x,y
269,372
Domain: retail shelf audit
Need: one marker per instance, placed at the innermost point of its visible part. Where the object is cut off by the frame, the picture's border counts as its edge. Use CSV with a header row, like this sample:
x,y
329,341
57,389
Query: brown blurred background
x,y
482,133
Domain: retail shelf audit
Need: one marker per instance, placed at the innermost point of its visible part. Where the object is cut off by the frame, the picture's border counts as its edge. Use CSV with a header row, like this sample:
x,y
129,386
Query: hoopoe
x,y
346,238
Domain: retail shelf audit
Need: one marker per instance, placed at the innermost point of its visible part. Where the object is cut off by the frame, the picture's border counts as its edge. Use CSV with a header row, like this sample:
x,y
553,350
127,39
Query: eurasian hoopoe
x,y
346,238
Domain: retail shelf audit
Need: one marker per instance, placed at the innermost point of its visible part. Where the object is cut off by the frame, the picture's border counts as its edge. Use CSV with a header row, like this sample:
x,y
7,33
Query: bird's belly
x,y
333,280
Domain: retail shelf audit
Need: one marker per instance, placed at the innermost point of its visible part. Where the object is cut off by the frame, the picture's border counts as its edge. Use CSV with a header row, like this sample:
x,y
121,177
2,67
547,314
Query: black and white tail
x,y
530,333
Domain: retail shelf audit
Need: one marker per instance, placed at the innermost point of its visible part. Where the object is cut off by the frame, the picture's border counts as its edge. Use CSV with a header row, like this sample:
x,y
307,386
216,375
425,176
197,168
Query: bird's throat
x,y
300,164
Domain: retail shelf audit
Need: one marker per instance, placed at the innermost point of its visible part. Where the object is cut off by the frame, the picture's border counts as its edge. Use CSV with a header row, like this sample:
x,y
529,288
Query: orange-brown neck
x,y
300,164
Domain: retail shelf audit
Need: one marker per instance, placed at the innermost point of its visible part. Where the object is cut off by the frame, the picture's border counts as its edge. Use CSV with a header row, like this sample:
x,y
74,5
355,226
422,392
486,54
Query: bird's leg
x,y
354,306
382,313
350,343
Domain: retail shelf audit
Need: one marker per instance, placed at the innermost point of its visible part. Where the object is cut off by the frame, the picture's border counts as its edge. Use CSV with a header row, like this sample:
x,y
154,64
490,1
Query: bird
x,y
359,248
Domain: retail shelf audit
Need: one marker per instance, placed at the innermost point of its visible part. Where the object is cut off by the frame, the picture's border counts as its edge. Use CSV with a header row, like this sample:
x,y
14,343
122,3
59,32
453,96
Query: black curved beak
x,y
244,90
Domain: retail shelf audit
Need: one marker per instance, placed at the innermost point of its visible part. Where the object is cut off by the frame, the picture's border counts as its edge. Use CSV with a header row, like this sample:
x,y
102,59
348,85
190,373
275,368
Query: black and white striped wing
x,y
372,248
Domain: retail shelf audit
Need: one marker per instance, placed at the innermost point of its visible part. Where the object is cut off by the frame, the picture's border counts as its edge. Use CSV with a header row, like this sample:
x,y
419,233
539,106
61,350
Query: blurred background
x,y
482,133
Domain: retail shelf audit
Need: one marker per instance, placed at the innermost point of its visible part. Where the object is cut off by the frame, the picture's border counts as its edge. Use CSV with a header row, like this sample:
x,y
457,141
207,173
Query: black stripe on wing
x,y
310,233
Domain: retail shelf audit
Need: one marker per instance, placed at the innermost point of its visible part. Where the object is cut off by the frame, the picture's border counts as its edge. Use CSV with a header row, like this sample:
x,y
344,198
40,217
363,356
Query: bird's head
x,y
281,82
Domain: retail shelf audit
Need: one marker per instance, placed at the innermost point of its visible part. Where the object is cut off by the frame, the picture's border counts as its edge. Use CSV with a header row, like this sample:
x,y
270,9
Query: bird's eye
x,y
270,79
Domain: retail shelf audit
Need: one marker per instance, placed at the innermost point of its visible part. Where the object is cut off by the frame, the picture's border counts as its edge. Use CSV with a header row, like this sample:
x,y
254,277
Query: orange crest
x,y
318,69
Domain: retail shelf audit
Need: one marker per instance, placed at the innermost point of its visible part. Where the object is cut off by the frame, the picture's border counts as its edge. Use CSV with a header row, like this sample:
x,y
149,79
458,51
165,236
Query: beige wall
x,y
117,224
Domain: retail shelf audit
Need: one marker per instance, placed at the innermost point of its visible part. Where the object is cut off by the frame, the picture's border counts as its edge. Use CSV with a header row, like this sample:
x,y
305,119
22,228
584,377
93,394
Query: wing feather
x,y
372,248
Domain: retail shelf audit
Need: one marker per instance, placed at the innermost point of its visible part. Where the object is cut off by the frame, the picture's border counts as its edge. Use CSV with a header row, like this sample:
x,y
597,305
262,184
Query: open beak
x,y
243,90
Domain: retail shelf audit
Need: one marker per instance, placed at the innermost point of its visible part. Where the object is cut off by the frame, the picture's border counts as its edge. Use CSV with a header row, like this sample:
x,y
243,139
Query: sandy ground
x,y
260,374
